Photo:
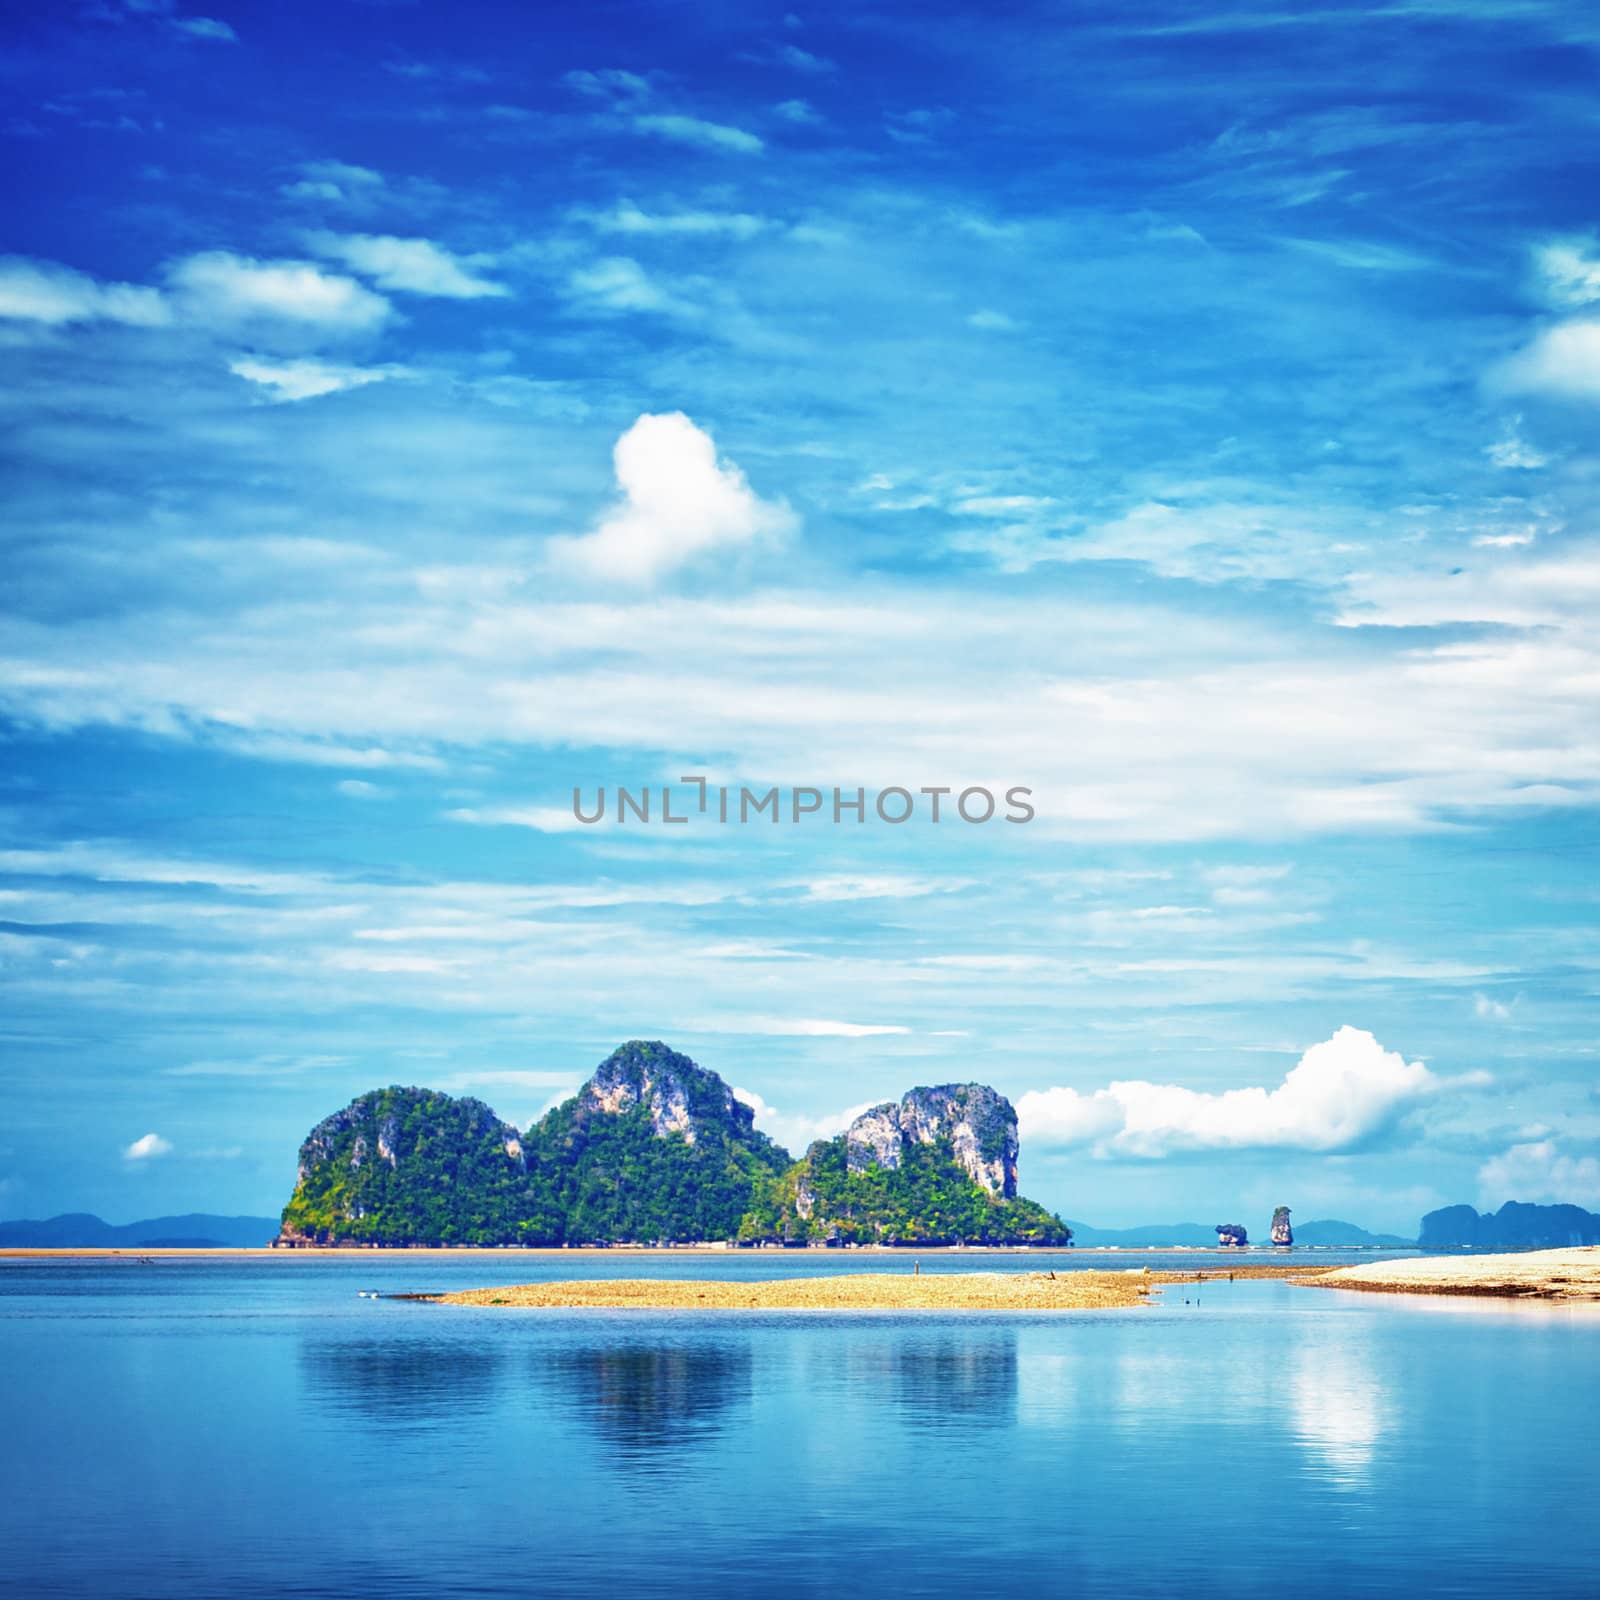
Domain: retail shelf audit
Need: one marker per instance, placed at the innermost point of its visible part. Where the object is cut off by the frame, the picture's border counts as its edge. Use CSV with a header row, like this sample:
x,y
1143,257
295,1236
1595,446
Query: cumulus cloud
x,y
1563,360
678,502
1341,1093
45,291
696,132
408,266
219,287
304,379
147,1148
1539,1172
796,1133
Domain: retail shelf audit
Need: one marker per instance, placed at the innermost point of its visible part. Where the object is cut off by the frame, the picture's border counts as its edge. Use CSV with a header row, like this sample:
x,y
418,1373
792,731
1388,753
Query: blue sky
x,y
413,412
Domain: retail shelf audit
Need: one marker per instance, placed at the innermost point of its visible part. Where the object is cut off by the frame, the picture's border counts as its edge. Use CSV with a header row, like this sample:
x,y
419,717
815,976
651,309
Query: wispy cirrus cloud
x,y
407,266
306,379
698,133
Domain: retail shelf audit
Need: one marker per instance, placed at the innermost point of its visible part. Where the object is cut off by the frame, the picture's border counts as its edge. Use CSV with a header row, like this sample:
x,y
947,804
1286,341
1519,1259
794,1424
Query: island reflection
x,y
643,1397
396,1382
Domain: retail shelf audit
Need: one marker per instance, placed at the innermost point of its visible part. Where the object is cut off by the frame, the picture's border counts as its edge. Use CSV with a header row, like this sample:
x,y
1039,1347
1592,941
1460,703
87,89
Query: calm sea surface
x,y
252,1427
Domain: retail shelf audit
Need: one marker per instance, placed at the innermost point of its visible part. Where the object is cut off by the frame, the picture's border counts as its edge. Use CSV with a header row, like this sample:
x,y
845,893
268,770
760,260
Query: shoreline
x,y
630,1251
1571,1276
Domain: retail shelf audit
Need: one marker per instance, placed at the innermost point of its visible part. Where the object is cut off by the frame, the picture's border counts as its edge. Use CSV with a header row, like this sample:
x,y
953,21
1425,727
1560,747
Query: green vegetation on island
x,y
655,1149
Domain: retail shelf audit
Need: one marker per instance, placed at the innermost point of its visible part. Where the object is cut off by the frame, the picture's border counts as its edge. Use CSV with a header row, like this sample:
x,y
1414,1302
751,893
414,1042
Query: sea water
x,y
261,1426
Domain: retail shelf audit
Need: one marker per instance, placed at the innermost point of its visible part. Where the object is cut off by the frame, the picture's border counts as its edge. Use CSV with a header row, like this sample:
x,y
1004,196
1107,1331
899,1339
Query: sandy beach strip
x,y
1530,1275
854,1291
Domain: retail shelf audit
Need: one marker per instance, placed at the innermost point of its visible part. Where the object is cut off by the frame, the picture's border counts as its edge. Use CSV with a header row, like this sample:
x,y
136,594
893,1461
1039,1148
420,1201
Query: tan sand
x,y
1535,1274
855,1291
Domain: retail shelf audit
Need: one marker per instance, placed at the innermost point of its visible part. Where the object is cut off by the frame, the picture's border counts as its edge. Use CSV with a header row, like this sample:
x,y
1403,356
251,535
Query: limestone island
x,y
657,1150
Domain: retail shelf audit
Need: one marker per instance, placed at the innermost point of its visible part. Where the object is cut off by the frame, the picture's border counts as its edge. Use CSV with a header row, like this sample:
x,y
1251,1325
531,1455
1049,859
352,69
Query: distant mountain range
x,y
195,1230
1342,1235
1515,1226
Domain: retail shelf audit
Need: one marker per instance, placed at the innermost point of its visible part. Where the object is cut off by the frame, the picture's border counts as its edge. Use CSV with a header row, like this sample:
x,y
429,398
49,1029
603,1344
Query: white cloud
x,y
791,55
332,180
814,1028
305,379
1562,360
990,321
800,112
1513,452
311,189
699,133
360,789
878,886
408,266
1491,1010
147,1148
542,819
220,287
620,284
626,217
1341,1092
206,28
794,1132
1540,1173
1063,1118
44,291
1570,271
679,502
609,83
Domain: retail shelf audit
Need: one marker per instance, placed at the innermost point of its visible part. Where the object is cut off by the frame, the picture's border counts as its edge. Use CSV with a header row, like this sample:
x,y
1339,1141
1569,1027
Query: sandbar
x,y
854,1291
1572,1274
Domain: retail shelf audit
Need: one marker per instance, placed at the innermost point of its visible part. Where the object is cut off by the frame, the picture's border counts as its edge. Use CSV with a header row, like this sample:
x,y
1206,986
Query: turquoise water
x,y
252,1427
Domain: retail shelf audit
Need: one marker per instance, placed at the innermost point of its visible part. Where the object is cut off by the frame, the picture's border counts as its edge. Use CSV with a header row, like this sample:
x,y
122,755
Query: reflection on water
x,y
955,1380
1339,1408
643,1397
397,1382
257,1431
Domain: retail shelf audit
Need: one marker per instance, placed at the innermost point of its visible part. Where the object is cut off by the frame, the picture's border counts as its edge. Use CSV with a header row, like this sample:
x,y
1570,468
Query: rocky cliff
x,y
676,1095
653,1147
1282,1233
401,1165
1232,1235
936,1167
979,1124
